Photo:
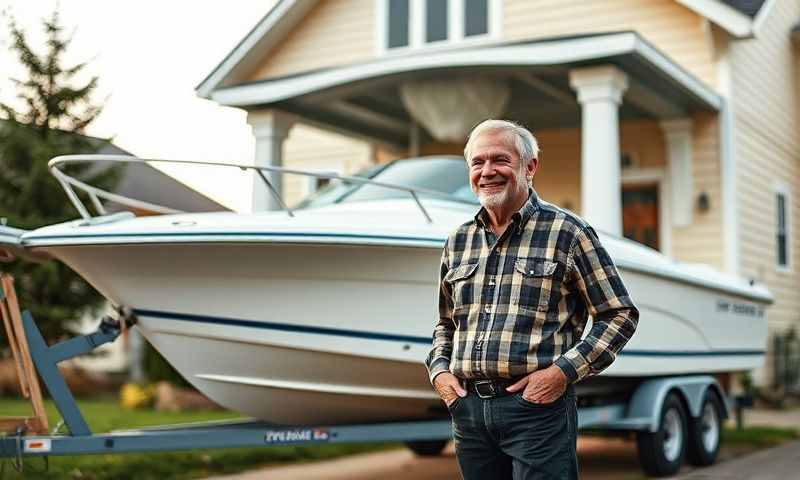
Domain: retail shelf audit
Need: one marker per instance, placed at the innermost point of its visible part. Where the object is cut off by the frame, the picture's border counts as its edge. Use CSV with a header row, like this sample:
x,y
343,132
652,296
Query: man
x,y
517,284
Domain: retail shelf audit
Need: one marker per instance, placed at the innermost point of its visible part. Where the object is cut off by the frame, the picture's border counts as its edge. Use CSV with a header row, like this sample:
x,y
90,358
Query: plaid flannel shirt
x,y
518,303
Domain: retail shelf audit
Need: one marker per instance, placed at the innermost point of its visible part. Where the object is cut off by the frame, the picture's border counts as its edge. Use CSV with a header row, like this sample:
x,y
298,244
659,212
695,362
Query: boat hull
x,y
326,334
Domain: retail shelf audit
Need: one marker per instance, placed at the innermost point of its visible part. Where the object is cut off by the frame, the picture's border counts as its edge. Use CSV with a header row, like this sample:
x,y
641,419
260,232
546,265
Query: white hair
x,y
525,143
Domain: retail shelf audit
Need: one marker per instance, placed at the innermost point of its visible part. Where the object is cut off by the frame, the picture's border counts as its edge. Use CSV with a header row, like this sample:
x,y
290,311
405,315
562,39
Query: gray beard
x,y
498,199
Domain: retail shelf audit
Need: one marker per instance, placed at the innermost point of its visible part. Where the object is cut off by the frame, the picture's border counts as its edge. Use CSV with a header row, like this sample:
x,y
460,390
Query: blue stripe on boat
x,y
284,327
438,241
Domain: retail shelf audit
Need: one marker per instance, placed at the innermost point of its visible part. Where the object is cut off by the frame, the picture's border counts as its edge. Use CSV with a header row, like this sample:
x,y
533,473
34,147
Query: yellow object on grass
x,y
133,396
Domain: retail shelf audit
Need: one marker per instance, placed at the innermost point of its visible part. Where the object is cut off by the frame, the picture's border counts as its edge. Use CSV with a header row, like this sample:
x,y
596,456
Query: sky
x,y
150,55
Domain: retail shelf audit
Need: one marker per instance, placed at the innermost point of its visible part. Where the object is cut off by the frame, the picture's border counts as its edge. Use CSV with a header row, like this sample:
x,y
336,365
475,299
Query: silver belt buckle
x,y
485,389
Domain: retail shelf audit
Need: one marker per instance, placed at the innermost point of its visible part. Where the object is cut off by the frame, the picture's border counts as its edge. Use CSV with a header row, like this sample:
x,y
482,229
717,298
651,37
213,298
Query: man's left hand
x,y
542,386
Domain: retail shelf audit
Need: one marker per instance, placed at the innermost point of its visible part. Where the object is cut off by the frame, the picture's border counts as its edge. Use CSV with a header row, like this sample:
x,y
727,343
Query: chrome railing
x,y
95,194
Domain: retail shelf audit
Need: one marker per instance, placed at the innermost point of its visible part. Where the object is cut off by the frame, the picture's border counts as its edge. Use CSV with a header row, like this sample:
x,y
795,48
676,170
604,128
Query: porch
x,y
629,140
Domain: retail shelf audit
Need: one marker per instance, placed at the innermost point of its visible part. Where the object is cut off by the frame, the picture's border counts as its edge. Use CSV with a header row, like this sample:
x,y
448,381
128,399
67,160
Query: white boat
x,y
324,314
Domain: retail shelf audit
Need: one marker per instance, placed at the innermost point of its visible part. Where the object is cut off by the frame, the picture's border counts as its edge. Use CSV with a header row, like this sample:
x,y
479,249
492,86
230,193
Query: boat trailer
x,y
28,437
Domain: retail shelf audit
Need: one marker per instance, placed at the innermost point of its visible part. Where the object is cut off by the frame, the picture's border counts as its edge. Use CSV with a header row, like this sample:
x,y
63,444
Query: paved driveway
x,y
779,463
600,459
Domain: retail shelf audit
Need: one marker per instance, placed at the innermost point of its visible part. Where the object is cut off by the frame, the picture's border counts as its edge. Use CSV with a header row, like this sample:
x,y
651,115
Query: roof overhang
x,y
726,17
347,99
627,49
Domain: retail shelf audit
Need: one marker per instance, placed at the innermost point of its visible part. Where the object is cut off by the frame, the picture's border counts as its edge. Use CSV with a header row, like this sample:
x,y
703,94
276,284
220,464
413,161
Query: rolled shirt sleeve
x,y
438,360
614,315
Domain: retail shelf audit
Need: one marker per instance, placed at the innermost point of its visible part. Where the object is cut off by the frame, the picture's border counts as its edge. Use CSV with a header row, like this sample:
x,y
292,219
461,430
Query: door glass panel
x,y
640,214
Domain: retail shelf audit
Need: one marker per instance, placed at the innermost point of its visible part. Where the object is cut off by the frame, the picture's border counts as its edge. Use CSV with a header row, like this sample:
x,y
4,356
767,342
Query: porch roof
x,y
363,100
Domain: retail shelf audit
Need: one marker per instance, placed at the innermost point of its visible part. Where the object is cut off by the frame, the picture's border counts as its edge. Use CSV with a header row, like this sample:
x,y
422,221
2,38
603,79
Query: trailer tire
x,y
427,448
661,453
705,431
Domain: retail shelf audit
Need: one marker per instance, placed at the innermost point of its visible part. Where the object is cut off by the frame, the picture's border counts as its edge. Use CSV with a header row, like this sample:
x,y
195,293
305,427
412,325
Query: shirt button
x,y
487,308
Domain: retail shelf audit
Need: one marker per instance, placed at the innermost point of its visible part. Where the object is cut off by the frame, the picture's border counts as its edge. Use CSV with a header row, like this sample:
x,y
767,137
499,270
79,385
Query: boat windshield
x,y
447,175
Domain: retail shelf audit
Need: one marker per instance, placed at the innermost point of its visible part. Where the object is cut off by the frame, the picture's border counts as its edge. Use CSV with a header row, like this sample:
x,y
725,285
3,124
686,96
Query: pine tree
x,y
53,115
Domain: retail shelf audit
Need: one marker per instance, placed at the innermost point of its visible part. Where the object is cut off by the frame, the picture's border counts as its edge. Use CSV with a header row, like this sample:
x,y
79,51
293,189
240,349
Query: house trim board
x,y
727,160
731,20
761,16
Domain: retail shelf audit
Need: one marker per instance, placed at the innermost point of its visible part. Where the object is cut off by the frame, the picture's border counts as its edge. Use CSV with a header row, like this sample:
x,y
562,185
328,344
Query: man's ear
x,y
530,168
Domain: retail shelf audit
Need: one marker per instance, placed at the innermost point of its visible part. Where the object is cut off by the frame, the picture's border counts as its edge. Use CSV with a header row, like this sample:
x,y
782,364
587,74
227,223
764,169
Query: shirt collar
x,y
519,219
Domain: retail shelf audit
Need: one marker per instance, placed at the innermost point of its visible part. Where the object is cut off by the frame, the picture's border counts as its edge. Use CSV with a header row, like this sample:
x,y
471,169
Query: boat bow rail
x,y
95,194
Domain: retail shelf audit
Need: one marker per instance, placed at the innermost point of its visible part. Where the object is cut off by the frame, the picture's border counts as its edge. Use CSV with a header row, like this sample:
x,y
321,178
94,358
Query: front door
x,y
640,214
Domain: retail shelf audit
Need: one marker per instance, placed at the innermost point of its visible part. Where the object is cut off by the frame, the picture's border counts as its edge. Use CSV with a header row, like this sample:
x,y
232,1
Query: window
x,y
407,24
782,229
476,17
436,20
398,23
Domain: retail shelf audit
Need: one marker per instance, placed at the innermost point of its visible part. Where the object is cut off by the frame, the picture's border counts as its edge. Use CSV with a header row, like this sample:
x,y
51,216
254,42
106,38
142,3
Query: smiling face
x,y
497,175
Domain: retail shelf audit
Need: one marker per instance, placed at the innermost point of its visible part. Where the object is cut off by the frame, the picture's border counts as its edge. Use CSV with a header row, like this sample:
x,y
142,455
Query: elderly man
x,y
517,284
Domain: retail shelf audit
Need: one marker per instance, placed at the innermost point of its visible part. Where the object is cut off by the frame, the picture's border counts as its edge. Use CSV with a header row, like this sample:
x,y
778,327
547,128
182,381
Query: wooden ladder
x,y
26,373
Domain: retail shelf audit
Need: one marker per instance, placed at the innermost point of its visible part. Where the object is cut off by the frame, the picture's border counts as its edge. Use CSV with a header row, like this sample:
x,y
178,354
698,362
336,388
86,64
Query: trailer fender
x,y
644,408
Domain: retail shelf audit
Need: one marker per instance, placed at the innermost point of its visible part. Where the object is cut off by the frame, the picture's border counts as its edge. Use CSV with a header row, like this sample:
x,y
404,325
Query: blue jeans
x,y
511,438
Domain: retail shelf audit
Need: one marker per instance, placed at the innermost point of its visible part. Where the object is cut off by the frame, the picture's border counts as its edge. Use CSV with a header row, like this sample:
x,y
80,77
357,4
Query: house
x,y
673,122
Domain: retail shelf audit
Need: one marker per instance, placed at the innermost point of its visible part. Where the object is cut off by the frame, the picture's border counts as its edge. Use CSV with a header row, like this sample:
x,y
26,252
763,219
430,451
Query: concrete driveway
x,y
779,463
600,459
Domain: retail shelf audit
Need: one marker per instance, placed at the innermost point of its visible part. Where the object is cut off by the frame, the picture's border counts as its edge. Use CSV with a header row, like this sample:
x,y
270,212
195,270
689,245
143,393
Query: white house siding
x,y
702,240
309,148
767,142
334,32
675,30
558,177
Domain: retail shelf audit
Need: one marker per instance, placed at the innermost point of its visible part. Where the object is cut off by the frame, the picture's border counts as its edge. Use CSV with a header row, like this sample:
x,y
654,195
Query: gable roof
x,y
737,17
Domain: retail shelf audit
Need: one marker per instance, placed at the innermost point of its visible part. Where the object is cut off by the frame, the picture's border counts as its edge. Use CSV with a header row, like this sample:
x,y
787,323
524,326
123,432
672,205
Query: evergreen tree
x,y
53,115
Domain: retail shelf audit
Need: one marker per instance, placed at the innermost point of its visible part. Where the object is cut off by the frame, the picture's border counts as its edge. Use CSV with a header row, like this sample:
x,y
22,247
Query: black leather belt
x,y
490,388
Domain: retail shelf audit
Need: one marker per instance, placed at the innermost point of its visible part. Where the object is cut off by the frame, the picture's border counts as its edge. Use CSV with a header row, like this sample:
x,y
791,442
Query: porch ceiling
x,y
363,100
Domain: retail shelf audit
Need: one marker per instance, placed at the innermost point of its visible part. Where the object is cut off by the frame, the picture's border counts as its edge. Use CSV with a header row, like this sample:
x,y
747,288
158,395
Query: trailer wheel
x,y
704,432
661,453
427,448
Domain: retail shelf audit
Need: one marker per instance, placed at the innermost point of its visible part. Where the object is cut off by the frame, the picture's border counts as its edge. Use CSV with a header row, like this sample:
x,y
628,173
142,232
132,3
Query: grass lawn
x,y
106,415
759,437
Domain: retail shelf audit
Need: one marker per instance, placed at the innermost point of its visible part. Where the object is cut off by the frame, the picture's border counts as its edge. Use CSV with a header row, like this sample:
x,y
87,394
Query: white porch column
x,y
270,129
678,135
600,92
